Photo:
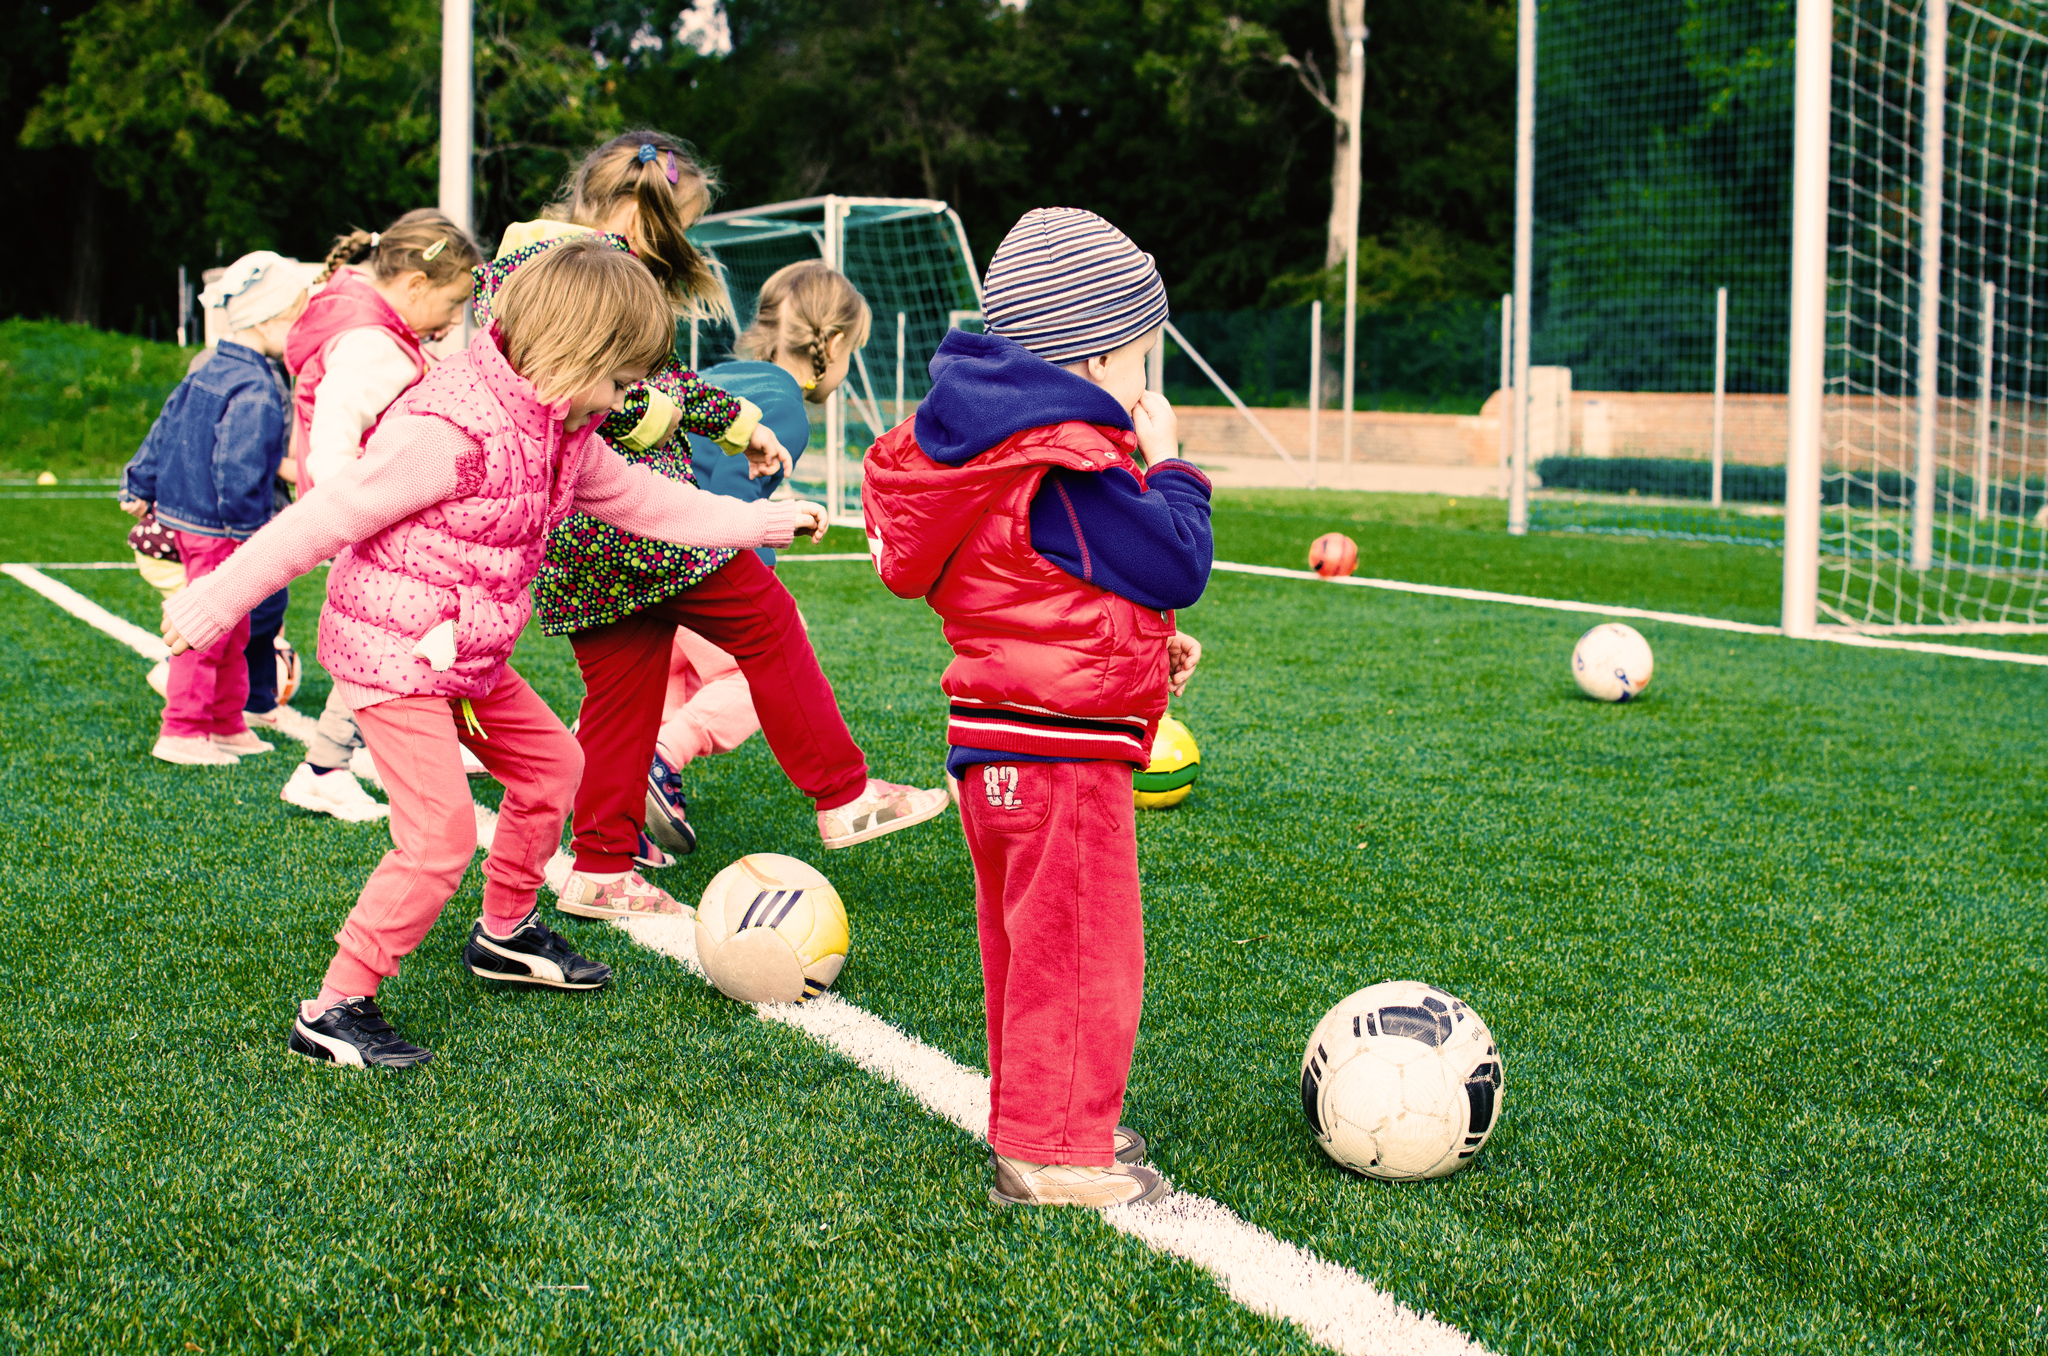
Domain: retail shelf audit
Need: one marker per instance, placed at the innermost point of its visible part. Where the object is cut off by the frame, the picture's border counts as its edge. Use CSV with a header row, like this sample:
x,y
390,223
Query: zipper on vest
x,y
469,720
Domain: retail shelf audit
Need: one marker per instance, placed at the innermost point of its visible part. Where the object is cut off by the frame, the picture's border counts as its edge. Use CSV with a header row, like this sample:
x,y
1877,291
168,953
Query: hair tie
x,y
433,251
648,151
375,236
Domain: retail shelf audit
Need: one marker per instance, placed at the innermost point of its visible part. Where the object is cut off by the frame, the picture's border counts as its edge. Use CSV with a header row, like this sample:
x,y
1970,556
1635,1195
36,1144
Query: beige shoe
x,y
632,897
192,751
1022,1183
883,807
242,745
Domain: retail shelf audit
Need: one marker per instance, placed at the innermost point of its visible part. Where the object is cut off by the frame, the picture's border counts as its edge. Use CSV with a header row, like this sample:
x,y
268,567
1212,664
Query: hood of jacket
x,y
986,390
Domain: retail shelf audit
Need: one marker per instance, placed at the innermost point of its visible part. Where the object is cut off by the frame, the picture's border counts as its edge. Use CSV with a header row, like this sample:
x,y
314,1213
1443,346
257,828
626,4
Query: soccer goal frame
x,y
909,257
1915,434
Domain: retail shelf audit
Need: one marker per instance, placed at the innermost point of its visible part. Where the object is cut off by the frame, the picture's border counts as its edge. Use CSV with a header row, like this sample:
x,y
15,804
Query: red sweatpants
x,y
744,610
433,821
208,687
1055,849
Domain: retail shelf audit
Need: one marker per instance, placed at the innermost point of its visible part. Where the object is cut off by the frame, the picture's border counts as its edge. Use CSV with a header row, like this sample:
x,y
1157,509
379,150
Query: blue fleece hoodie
x,y
1151,545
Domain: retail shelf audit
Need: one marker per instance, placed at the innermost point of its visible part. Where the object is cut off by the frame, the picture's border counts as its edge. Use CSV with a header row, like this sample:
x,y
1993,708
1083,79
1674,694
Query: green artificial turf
x,y
75,401
1765,954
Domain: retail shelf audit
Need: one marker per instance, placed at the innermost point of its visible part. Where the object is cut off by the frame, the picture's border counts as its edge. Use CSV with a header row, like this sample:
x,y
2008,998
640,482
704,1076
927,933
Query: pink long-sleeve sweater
x,y
416,461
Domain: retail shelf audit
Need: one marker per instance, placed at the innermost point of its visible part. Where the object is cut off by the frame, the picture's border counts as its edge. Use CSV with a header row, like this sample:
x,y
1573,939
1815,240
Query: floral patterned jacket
x,y
595,573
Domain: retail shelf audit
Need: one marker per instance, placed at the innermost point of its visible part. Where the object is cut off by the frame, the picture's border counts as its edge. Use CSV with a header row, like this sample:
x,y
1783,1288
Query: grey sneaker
x,y
1022,1183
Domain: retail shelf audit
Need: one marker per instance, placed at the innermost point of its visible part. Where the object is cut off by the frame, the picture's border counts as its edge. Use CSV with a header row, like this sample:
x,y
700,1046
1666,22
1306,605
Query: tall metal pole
x,y
693,344
1720,386
835,403
1352,117
1813,53
902,327
1933,116
1507,392
457,119
1315,386
1987,310
1525,250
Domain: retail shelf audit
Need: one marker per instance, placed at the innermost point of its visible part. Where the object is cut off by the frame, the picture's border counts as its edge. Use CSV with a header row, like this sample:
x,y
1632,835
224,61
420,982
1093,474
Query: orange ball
x,y
1333,555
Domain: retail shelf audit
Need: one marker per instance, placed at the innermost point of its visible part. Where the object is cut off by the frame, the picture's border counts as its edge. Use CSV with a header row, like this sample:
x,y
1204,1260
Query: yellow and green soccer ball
x,y
1176,762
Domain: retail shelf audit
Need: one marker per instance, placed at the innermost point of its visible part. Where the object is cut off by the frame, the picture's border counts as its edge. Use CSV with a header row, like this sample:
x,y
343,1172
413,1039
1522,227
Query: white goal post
x,y
1917,445
908,256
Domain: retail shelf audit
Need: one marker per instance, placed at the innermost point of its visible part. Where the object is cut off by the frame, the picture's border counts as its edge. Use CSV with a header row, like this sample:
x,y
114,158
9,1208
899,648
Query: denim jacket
x,y
209,460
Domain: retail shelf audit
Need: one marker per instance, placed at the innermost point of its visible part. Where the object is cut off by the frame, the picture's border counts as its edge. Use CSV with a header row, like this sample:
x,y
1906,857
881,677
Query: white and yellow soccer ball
x,y
1401,1081
771,929
290,670
1612,662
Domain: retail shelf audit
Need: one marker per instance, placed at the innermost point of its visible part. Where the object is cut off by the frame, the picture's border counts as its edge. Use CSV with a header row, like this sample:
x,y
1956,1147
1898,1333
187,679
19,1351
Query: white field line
x,y
1335,1306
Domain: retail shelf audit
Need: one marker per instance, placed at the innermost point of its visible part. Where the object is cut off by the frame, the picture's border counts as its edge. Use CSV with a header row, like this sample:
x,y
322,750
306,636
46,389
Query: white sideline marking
x,y
1337,1308
821,555
91,613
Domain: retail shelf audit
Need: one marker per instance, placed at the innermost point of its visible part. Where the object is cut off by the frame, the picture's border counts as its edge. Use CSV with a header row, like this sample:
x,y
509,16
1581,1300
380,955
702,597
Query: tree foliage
x,y
236,124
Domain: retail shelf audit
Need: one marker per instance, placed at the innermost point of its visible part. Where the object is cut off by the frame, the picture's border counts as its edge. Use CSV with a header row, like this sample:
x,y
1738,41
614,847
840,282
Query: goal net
x,y
1934,434
908,256
1661,268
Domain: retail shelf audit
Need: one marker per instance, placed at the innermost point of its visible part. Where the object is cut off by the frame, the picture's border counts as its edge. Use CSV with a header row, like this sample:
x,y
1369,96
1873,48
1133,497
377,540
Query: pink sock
x,y
502,927
328,997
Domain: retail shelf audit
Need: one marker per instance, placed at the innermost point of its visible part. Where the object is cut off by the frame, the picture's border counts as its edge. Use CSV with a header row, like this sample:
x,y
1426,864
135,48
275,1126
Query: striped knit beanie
x,y
1067,286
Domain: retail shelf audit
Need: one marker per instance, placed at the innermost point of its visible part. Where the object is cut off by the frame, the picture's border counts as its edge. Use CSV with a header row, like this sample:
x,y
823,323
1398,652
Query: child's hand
x,y
1183,652
1158,429
177,642
811,520
135,508
766,455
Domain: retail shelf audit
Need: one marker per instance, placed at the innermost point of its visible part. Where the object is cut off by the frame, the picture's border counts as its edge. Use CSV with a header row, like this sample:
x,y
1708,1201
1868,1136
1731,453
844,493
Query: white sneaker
x,y
333,793
363,765
632,897
160,679
192,751
243,745
883,807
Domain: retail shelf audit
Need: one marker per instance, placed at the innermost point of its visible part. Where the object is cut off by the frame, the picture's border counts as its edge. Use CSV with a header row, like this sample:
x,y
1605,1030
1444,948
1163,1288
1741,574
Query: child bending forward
x,y
440,528
1013,504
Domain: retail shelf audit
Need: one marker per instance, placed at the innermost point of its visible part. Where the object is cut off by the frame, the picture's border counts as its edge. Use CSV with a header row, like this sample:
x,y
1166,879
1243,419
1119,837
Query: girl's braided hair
x,y
672,188
421,241
802,307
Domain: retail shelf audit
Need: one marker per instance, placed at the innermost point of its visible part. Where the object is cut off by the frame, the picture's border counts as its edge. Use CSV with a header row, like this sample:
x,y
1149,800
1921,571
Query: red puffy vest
x,y
345,303
1042,662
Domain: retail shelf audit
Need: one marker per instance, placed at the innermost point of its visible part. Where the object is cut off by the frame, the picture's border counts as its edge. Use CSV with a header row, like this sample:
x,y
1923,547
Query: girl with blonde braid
x,y
619,597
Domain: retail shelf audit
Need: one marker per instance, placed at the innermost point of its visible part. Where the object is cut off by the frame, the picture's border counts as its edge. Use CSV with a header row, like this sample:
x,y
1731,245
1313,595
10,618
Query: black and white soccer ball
x,y
1401,1081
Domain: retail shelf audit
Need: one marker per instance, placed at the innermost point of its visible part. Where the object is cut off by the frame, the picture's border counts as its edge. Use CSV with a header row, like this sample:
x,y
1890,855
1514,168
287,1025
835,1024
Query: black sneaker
x,y
532,955
668,810
353,1033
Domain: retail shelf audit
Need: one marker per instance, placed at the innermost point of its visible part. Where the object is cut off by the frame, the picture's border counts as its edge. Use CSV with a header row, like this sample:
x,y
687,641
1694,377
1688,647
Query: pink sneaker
x,y
632,897
883,807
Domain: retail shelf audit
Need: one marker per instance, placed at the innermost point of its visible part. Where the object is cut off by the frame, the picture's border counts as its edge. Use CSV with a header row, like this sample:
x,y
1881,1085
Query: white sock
x,y
603,877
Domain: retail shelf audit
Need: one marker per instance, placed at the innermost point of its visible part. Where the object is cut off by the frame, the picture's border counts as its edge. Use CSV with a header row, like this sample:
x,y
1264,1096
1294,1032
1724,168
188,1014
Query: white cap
x,y
257,287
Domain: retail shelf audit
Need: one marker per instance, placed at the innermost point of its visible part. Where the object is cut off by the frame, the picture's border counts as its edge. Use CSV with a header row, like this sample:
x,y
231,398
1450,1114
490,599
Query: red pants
x,y
744,610
208,687
433,822
1055,849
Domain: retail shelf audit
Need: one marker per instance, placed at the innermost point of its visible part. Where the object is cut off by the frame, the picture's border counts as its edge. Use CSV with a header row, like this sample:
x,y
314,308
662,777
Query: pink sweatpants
x,y
208,687
1055,849
433,821
709,708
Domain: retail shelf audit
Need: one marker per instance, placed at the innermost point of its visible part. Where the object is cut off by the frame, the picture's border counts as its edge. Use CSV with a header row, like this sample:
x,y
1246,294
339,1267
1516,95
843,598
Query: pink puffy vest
x,y
345,303
469,558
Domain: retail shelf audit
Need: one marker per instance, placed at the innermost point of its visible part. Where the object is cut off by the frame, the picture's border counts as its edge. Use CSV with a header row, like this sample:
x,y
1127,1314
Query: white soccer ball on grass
x,y
1401,1081
1612,662
771,929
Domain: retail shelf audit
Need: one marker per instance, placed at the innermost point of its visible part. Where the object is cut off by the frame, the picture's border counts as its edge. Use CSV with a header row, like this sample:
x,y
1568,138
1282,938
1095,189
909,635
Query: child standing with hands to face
x,y
1015,506
619,597
440,529
353,353
206,468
